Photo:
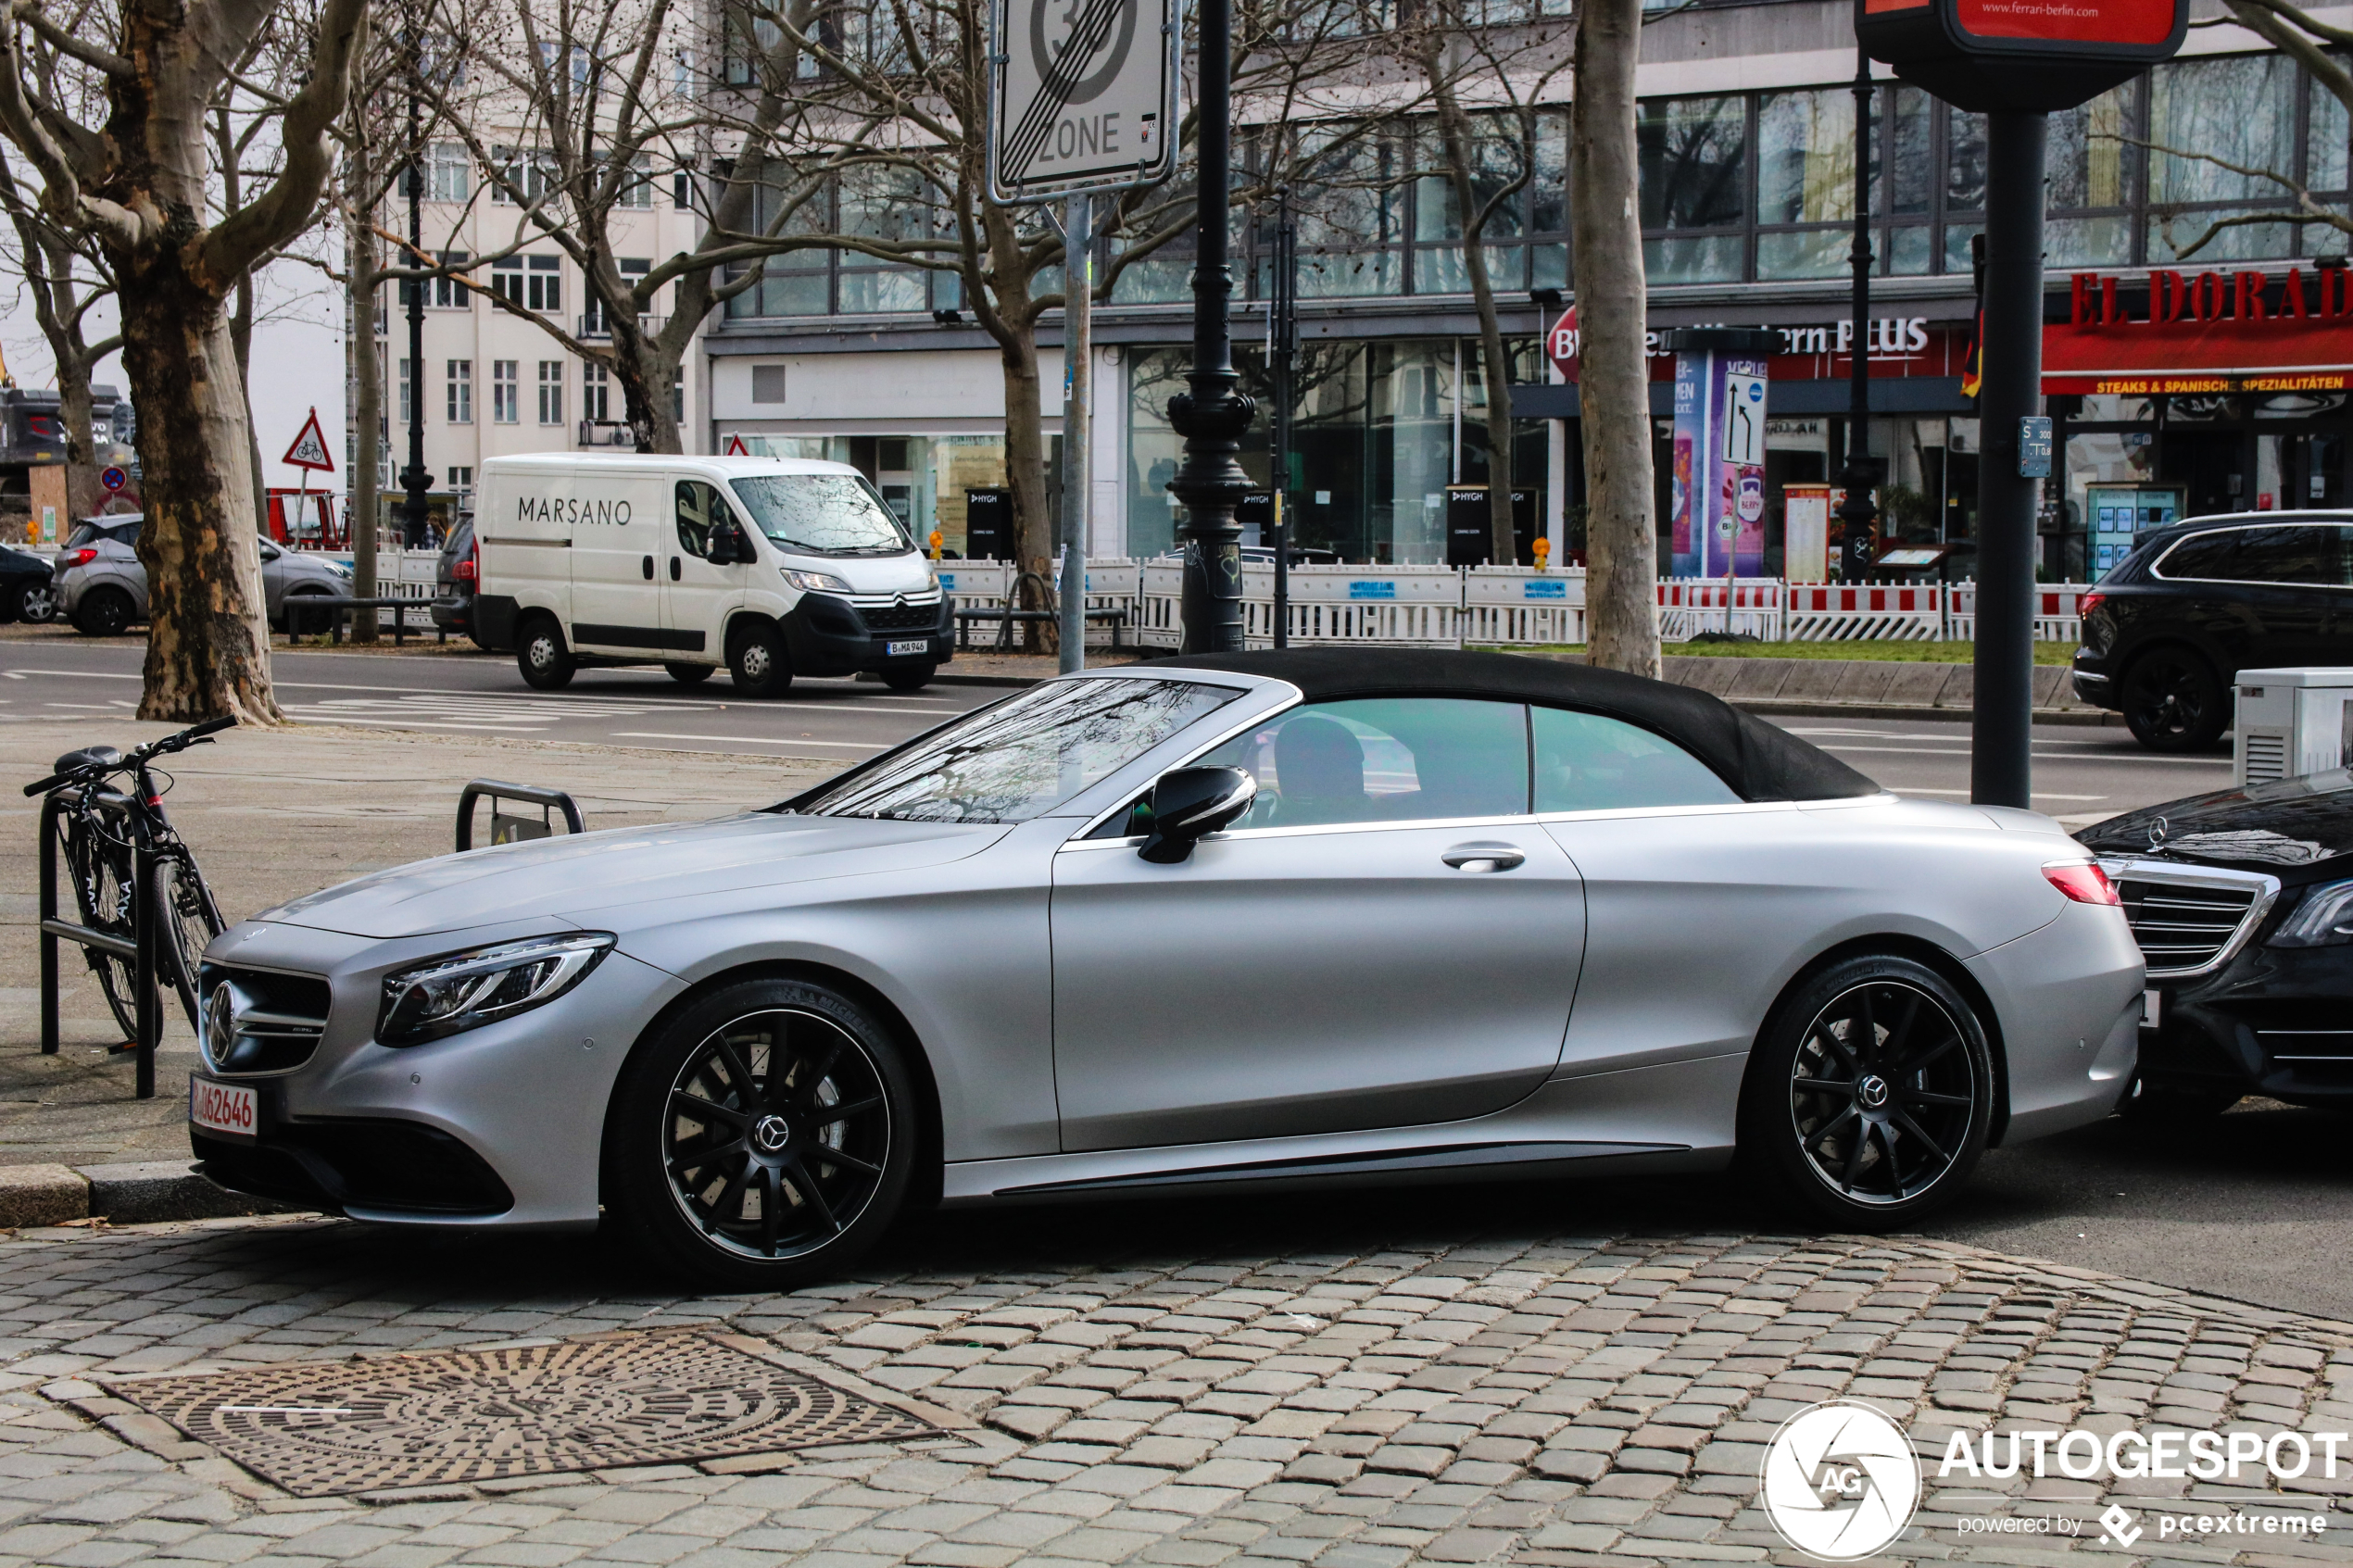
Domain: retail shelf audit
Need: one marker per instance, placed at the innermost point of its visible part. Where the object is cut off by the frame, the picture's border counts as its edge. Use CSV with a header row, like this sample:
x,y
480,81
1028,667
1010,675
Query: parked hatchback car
x,y
2241,901
455,578
28,586
2171,625
102,589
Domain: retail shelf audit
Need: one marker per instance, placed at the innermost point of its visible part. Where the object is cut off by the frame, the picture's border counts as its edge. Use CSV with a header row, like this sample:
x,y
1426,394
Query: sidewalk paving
x,y
1356,1386
272,814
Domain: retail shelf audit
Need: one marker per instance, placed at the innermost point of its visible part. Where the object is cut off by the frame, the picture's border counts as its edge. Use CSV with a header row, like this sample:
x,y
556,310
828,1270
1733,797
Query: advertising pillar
x,y
1717,497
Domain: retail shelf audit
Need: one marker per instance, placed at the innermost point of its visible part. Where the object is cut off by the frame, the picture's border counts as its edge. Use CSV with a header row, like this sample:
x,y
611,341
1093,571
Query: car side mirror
x,y
1189,804
728,547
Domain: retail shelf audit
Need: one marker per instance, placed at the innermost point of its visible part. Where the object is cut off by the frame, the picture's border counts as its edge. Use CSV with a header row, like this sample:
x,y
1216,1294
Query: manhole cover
x,y
475,1415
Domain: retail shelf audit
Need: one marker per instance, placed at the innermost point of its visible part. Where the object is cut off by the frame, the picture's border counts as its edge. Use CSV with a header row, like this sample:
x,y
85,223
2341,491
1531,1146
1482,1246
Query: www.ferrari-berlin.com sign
x,y
1083,95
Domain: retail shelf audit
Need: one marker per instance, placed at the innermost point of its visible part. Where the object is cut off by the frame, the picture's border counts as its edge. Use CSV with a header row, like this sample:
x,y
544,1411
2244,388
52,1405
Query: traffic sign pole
x,y
1078,279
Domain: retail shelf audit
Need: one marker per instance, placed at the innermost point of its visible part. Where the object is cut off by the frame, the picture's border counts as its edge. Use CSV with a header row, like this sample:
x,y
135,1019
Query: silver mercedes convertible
x,y
1305,918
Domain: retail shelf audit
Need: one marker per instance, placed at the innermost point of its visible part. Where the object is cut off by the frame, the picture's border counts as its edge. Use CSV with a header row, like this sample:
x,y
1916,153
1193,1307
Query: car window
x,y
2208,555
1022,757
1586,762
702,509
826,514
1383,760
82,534
2279,555
126,534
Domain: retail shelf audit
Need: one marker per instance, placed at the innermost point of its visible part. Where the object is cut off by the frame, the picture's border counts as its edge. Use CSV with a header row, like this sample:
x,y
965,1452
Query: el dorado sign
x,y
1989,55
2202,332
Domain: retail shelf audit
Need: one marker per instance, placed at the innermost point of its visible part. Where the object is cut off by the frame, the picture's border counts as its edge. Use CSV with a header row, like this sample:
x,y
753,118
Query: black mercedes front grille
x,y
2180,927
901,617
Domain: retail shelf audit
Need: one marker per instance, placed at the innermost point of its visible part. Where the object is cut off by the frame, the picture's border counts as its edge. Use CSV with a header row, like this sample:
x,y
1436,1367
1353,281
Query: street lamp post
x,y
1856,510
1214,415
414,479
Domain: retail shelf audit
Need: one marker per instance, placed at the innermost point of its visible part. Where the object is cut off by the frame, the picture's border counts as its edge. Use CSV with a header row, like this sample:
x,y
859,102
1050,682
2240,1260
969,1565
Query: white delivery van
x,y
773,567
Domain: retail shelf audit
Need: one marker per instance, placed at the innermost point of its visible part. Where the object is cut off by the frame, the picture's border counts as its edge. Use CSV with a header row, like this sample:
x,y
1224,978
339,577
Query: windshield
x,y
825,514
1022,757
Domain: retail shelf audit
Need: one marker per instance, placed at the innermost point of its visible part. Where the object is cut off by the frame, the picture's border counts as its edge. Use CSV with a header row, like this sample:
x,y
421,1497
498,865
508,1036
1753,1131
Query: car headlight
x,y
2324,919
339,570
463,991
815,581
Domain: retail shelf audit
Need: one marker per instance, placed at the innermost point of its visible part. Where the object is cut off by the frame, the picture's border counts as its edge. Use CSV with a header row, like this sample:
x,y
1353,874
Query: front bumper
x,y
826,636
2273,1021
501,1125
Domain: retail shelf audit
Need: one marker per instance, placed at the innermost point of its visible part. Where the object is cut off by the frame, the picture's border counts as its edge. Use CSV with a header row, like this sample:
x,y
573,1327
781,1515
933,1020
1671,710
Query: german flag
x,y
1972,368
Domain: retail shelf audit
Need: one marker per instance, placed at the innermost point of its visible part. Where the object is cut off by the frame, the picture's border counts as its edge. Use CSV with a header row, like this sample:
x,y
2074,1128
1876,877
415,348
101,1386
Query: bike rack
x,y
511,830
140,948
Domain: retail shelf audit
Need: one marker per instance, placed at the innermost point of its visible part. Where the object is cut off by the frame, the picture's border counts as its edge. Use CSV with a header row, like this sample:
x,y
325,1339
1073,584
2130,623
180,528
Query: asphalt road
x,y
461,693
2081,774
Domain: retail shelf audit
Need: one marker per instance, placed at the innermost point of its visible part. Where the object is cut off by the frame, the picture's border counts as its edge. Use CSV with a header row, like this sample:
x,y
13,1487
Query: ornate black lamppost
x,y
1214,416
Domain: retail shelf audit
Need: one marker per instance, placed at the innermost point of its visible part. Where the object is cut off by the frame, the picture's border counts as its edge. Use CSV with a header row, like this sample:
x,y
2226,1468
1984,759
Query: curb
x,y
140,1194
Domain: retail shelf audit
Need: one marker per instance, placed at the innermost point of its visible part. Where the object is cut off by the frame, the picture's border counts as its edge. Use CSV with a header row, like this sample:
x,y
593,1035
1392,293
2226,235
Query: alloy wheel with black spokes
x,y
765,1137
1873,1095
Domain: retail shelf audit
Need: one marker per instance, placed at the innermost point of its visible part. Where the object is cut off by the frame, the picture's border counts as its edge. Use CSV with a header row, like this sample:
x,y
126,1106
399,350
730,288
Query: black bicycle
x,y
100,833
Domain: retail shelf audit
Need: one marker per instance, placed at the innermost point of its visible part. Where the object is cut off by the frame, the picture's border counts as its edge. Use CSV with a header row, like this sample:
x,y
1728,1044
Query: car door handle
x,y
1483,857
646,565
674,569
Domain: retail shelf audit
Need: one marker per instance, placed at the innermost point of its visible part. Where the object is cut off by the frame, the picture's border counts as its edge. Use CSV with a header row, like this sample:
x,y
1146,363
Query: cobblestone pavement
x,y
1386,1379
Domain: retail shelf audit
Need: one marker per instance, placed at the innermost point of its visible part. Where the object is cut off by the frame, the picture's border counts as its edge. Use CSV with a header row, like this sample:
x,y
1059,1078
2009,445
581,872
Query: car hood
x,y
2288,824
588,877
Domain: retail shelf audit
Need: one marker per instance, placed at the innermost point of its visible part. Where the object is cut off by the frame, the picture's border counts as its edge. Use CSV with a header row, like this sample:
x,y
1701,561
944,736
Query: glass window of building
x,y
1693,155
460,385
1806,175
505,391
551,392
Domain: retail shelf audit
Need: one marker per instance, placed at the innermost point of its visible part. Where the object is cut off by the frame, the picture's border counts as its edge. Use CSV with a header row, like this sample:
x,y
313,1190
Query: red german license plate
x,y
233,1111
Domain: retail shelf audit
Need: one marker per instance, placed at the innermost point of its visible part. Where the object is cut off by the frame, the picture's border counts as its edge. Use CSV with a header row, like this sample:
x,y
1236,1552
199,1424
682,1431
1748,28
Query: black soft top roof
x,y
1757,760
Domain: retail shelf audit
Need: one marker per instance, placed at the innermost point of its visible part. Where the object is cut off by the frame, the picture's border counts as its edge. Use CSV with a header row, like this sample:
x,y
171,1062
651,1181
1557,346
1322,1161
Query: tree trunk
x,y
241,340
208,639
1621,541
73,407
647,378
367,398
1026,464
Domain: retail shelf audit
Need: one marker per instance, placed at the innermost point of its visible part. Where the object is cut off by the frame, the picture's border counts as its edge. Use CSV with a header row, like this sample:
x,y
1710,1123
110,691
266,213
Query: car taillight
x,y
464,571
2081,881
78,558
2086,603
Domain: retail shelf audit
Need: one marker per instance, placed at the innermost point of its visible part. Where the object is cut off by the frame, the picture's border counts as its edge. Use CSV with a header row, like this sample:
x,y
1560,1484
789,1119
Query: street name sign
x,y
1083,96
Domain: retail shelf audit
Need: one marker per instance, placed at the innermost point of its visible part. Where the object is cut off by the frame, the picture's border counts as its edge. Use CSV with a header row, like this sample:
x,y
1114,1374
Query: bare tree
x,y
1621,538
67,285
111,113
1485,83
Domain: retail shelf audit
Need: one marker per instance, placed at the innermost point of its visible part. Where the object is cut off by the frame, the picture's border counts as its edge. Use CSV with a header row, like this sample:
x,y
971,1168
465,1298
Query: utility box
x,y
2290,722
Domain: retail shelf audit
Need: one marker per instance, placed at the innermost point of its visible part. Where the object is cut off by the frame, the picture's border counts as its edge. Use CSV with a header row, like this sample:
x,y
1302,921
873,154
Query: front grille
x,y
2184,927
260,1020
901,617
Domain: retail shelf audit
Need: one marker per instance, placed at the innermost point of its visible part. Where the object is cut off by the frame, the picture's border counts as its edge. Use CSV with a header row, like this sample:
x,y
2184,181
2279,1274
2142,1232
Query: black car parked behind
x,y
26,591
2170,627
2242,902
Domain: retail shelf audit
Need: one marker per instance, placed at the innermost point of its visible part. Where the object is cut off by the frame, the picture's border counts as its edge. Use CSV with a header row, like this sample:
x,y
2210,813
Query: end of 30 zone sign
x,y
1083,95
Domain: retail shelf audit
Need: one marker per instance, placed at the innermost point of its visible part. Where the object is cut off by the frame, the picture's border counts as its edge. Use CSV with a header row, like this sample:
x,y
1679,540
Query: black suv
x,y
2170,627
